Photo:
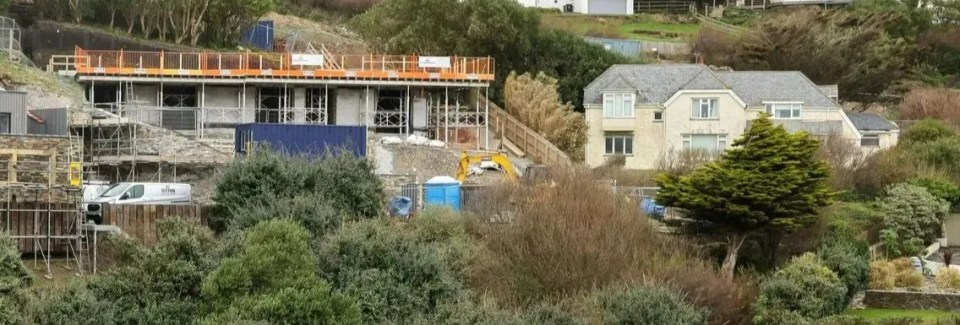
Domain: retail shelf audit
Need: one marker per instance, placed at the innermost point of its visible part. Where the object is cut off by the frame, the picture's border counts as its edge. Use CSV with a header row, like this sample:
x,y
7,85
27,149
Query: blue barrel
x,y
442,190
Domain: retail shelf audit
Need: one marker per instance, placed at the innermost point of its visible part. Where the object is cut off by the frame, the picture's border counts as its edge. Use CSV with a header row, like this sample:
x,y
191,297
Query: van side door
x,y
133,195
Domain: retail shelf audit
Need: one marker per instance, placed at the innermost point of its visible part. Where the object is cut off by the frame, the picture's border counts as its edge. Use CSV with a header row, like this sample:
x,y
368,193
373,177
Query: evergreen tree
x,y
769,182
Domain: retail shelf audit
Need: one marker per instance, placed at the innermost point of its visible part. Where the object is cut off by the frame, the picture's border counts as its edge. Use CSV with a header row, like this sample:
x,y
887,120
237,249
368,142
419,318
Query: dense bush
x,y
927,130
943,189
883,275
273,279
898,273
308,210
399,272
571,236
805,287
265,178
943,153
883,169
625,304
73,304
850,260
848,220
159,285
948,278
913,218
13,274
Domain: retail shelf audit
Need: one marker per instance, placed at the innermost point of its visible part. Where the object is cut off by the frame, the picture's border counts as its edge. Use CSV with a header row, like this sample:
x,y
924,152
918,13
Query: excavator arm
x,y
467,159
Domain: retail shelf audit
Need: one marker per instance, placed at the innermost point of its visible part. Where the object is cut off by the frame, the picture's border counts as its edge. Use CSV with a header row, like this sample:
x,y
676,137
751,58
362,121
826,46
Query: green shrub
x,y
308,210
73,304
850,261
340,181
805,287
913,217
469,312
13,274
942,153
399,272
848,220
948,278
160,285
928,130
943,189
627,304
273,279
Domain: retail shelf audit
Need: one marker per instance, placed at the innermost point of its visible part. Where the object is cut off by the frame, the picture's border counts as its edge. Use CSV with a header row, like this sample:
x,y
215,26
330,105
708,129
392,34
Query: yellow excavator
x,y
486,159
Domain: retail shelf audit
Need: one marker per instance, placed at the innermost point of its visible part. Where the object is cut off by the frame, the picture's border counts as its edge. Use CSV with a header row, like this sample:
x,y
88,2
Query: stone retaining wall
x,y
911,300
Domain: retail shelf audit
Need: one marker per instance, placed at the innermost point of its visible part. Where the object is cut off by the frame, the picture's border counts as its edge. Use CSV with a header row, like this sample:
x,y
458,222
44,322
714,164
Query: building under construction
x,y
156,109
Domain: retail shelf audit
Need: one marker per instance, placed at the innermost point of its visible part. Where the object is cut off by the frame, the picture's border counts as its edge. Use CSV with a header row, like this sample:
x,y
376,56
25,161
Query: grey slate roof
x,y
657,83
870,122
830,90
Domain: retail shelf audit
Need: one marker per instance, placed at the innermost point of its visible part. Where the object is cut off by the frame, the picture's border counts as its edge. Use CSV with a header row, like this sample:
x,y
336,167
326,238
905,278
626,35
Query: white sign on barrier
x,y
435,62
306,59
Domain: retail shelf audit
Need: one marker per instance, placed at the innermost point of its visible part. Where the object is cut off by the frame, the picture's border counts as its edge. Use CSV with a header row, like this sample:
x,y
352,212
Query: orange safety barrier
x,y
273,65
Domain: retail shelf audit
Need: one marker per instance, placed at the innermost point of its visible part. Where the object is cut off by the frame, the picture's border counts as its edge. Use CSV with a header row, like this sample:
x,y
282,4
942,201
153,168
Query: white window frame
x,y
712,109
655,113
795,108
619,144
870,137
619,105
721,140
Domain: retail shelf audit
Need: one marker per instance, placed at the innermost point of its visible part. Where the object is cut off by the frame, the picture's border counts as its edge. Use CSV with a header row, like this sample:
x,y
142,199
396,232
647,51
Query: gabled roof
x,y
870,122
657,83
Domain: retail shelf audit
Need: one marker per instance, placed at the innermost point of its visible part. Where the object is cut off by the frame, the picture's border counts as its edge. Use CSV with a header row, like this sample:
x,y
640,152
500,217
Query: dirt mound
x,y
299,31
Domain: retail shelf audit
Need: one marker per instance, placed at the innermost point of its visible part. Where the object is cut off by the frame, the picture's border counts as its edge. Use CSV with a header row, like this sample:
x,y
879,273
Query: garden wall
x,y
911,300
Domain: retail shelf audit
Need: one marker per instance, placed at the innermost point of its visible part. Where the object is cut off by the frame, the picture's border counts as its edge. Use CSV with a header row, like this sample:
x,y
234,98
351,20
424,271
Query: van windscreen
x,y
115,190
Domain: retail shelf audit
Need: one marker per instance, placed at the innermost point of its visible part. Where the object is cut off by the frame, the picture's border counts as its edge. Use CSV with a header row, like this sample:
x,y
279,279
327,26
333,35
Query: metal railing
x,y
661,6
278,65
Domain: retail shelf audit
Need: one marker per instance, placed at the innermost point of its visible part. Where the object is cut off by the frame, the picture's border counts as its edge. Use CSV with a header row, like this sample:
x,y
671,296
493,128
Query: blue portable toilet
x,y
442,190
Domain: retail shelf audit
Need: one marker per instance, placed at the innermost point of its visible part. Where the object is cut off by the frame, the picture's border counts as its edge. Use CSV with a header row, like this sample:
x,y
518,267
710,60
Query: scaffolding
x,y
41,208
452,117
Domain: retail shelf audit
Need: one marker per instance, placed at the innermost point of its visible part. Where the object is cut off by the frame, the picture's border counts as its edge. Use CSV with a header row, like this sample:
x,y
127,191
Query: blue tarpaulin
x,y
400,206
650,207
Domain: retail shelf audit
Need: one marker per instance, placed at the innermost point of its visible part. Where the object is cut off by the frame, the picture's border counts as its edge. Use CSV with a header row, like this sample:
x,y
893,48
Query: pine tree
x,y
770,181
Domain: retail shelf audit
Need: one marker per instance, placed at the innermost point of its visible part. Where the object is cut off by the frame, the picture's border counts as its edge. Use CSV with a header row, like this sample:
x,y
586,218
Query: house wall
x,y
350,105
655,140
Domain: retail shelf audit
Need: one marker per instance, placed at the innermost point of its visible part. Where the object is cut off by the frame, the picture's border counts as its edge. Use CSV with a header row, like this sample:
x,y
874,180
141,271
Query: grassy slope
x,y
878,314
635,27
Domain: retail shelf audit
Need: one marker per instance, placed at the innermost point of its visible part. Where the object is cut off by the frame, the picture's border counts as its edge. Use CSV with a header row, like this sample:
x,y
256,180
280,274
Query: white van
x,y
138,193
93,189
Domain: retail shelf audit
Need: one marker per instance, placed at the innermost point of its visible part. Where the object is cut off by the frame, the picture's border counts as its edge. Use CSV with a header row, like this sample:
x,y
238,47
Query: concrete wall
x,y
353,104
911,300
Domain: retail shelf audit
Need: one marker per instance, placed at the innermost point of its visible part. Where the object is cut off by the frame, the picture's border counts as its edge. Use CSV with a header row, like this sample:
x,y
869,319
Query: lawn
x,y
878,314
636,27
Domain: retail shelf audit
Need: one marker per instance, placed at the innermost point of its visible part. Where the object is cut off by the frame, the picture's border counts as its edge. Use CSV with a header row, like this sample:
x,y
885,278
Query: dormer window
x,y
784,110
618,105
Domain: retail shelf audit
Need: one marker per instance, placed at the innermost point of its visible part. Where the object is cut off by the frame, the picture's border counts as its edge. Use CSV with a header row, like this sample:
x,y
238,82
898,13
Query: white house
x,y
646,112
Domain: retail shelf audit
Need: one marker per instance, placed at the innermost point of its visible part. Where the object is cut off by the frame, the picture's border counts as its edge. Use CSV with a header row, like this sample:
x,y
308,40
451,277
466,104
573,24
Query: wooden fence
x,y
140,221
530,142
38,226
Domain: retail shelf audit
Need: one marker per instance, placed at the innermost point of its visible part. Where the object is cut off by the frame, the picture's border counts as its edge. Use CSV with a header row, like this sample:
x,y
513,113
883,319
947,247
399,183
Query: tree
x,y
535,102
226,18
770,181
502,29
274,280
13,274
913,217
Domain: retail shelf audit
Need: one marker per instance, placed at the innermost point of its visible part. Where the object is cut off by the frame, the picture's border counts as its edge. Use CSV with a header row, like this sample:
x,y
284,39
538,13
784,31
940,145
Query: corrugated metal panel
x,y
54,122
14,104
260,35
302,139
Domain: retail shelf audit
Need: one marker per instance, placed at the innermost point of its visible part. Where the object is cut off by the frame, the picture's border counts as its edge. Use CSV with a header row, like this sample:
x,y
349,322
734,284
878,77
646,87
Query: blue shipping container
x,y
260,35
302,139
442,190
